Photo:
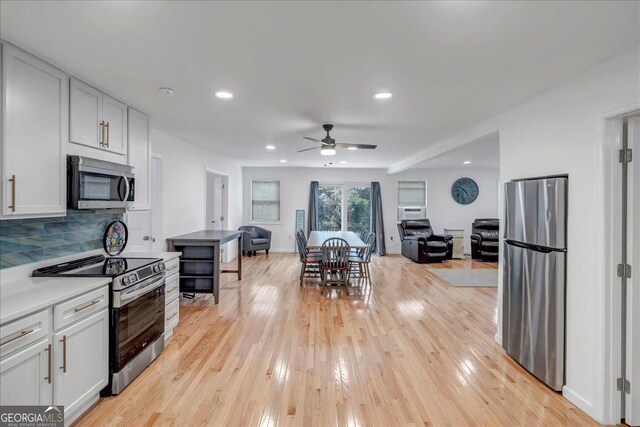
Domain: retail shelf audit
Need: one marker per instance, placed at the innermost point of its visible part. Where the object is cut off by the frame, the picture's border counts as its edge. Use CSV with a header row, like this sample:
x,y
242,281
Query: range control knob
x,y
126,280
133,278
155,269
162,267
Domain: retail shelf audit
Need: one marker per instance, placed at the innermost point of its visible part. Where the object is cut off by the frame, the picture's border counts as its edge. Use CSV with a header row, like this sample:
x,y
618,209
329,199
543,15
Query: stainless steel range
x,y
137,310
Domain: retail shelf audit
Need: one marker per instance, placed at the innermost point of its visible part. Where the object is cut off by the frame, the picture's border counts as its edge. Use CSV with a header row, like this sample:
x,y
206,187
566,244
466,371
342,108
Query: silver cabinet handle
x,y
22,334
107,125
173,267
48,350
13,193
172,289
87,305
102,143
64,354
172,316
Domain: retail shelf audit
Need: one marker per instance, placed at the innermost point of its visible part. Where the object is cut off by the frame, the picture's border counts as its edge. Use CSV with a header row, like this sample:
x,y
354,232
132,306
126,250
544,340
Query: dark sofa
x,y
421,245
485,237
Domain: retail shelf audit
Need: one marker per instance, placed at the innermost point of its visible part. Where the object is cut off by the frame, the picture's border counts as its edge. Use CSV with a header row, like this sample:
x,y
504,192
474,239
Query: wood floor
x,y
410,350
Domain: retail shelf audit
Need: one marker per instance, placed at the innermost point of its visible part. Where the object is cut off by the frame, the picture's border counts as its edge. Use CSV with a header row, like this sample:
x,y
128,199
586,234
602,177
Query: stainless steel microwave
x,y
96,184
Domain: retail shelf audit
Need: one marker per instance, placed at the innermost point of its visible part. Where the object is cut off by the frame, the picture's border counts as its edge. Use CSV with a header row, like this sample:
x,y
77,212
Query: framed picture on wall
x,y
299,225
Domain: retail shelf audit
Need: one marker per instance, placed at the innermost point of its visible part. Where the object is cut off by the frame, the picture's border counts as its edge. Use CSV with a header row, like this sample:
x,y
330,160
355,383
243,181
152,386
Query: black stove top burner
x,y
94,266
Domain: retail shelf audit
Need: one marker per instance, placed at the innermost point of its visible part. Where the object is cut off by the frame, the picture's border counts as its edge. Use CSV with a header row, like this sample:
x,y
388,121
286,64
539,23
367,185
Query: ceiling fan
x,y
328,147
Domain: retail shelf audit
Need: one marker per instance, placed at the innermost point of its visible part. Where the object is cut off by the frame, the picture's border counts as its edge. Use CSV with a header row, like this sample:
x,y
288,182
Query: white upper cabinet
x,y
97,120
114,115
140,157
35,130
86,115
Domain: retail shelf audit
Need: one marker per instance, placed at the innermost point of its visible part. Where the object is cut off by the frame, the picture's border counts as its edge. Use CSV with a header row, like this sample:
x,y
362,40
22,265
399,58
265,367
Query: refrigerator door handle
x,y
536,248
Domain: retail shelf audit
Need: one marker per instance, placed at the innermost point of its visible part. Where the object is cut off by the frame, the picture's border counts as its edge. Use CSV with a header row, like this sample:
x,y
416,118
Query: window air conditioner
x,y
412,212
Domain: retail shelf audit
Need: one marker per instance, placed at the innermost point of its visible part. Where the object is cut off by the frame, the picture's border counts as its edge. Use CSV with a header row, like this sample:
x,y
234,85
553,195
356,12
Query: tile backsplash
x,y
23,241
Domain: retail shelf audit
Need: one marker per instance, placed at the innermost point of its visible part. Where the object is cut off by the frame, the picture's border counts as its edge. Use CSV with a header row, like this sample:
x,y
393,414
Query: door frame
x,y
609,240
225,203
157,230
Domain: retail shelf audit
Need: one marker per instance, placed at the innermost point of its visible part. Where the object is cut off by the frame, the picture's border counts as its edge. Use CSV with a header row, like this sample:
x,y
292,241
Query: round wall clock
x,y
115,238
464,191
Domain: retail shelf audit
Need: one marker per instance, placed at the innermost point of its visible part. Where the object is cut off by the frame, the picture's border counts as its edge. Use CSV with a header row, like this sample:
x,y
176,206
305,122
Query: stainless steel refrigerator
x,y
533,311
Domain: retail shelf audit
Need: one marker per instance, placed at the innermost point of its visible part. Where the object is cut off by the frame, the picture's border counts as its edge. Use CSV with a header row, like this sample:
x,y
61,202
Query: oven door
x,y
138,319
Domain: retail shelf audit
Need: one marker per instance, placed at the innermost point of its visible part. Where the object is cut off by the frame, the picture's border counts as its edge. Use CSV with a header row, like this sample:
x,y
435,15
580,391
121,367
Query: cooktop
x,y
95,266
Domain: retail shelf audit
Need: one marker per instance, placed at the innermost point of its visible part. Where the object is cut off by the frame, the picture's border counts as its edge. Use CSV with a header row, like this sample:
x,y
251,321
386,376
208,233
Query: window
x,y
343,207
412,193
330,207
265,201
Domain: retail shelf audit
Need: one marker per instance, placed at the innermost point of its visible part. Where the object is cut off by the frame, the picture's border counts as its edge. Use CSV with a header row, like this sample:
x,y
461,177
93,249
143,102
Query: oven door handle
x,y
127,297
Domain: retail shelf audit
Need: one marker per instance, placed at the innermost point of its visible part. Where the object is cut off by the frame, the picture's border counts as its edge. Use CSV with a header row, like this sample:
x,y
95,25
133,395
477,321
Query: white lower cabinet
x,y
172,300
82,361
68,366
25,377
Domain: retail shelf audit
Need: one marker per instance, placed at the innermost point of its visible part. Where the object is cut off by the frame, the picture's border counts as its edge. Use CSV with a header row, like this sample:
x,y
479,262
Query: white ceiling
x,y
294,65
482,153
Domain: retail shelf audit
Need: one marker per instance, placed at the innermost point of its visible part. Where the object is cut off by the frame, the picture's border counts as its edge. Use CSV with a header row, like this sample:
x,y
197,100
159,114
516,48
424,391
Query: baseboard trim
x,y
578,400
498,339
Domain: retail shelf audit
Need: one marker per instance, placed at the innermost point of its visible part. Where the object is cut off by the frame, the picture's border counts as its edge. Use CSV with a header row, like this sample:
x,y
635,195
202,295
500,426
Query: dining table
x,y
317,238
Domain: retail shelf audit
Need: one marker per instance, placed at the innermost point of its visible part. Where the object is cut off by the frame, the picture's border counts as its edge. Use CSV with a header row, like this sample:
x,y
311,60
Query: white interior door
x,y
215,201
157,211
632,404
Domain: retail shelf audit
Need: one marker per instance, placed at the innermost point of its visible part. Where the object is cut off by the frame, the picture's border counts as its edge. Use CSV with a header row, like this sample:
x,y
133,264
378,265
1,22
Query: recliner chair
x,y
485,239
255,239
421,245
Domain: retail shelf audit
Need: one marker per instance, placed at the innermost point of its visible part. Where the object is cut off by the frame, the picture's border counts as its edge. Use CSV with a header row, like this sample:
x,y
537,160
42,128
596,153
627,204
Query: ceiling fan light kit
x,y
328,144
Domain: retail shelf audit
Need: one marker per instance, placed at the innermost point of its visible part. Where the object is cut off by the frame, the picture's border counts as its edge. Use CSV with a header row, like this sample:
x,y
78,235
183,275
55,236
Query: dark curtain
x,y
377,225
314,195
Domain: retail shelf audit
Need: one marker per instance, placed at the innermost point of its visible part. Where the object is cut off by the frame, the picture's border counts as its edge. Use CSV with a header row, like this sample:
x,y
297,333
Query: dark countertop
x,y
207,236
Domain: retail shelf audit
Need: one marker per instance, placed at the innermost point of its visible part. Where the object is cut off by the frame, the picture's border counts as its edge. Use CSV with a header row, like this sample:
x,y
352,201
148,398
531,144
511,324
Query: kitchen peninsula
x,y
200,259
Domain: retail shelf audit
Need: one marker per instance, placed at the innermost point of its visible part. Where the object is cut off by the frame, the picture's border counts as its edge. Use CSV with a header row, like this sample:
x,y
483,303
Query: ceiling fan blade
x,y
359,146
311,139
307,149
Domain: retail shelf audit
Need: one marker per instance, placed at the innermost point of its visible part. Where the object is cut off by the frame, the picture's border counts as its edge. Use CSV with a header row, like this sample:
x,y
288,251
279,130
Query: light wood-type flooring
x,y
409,350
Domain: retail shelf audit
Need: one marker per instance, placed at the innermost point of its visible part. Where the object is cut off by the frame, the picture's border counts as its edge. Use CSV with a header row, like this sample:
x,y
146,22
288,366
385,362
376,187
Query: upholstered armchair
x,y
421,245
255,239
485,239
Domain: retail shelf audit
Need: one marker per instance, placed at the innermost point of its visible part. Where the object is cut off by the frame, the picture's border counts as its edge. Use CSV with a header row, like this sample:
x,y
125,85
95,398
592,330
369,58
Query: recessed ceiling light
x,y
467,162
223,94
270,147
352,148
283,161
166,91
326,151
383,95
343,162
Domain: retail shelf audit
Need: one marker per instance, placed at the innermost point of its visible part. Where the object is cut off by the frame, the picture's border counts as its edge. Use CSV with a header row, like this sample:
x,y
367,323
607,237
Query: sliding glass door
x,y
345,207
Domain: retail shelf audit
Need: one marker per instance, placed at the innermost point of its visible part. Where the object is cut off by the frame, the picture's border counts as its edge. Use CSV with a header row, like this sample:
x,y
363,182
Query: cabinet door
x,y
81,361
86,115
140,157
25,376
114,114
35,119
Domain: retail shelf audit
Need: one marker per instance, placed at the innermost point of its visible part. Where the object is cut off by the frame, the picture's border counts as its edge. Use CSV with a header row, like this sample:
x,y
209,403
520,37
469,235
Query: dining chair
x,y
335,267
362,262
304,243
310,261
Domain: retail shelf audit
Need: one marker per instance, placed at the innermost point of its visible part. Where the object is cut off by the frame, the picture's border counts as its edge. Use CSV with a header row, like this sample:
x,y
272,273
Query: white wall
x,y
560,132
442,210
184,185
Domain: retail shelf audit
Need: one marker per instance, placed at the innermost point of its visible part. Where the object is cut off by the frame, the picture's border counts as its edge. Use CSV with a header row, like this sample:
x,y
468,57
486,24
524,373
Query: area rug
x,y
468,277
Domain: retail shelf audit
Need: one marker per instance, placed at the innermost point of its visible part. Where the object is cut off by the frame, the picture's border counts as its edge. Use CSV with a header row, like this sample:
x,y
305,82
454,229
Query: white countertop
x,y
27,295
21,294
